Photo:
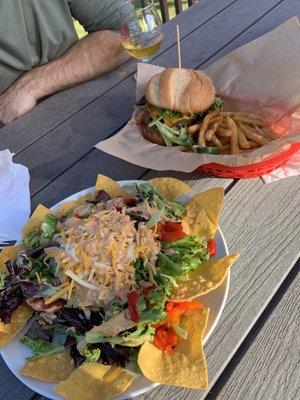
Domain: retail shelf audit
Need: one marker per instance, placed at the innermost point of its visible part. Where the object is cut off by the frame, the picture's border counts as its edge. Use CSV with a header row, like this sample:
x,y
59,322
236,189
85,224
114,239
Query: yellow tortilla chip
x,y
35,221
8,253
114,325
54,368
170,188
95,381
204,279
203,212
186,365
17,323
64,208
110,186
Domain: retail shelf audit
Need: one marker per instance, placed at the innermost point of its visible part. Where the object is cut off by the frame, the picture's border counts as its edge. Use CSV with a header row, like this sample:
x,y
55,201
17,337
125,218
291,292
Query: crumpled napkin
x,y
14,197
290,168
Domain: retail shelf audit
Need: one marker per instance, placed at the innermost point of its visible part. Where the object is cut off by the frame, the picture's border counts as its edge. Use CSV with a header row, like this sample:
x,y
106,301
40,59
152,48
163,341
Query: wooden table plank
x,y
261,222
197,181
61,106
97,162
247,277
279,14
11,387
273,357
83,175
74,138
266,23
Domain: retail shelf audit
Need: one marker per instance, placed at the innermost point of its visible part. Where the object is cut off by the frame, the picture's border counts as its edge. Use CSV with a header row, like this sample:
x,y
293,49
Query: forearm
x,y
90,57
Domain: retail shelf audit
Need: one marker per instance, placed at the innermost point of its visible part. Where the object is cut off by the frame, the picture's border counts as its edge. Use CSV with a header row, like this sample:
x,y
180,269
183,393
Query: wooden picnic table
x,y
254,351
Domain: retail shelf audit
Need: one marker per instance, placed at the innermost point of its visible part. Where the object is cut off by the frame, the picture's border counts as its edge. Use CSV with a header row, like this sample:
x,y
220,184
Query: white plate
x,y
14,353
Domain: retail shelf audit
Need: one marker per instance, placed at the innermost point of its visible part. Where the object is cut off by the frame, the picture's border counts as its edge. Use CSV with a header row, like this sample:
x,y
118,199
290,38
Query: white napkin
x,y
14,197
290,168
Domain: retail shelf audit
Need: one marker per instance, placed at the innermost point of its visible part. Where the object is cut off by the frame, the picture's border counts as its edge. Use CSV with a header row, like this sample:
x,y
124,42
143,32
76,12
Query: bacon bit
x,y
37,304
130,201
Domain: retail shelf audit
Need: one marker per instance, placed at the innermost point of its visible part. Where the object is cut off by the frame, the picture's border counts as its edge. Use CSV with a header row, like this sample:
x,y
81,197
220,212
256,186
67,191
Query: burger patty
x,y
151,134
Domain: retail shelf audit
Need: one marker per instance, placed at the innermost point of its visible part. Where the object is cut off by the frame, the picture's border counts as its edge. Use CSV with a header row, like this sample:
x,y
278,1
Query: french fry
x,y
193,129
265,132
224,140
251,134
224,132
252,144
246,120
205,124
225,148
201,138
234,144
243,142
210,132
216,141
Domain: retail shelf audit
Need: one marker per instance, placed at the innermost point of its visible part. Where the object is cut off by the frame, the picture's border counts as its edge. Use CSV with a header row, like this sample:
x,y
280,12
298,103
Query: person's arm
x,y
88,58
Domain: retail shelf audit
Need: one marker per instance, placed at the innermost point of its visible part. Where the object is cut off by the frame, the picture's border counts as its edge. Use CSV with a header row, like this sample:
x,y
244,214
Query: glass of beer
x,y
141,30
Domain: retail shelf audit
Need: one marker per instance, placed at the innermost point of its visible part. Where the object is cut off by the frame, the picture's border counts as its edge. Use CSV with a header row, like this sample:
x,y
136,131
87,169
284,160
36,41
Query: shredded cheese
x,y
39,279
71,287
81,282
57,295
97,253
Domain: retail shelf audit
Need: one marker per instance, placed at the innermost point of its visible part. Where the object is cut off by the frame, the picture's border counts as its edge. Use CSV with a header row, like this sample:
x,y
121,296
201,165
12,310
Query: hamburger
x,y
176,99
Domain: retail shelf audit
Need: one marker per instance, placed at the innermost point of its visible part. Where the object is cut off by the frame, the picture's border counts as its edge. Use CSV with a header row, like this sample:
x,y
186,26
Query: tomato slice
x,y
171,226
212,247
172,236
170,231
165,338
132,299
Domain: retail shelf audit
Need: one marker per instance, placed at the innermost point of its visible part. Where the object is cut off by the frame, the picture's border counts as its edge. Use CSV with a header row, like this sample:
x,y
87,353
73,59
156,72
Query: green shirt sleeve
x,y
95,15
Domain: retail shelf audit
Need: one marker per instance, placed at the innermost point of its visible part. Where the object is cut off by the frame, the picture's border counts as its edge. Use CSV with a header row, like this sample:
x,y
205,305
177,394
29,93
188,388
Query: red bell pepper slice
x,y
176,309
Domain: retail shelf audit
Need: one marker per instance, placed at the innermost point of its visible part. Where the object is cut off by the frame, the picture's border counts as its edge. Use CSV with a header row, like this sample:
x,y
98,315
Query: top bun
x,y
184,90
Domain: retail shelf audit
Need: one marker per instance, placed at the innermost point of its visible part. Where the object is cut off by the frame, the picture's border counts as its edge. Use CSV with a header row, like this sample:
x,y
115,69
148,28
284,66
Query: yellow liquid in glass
x,y
141,52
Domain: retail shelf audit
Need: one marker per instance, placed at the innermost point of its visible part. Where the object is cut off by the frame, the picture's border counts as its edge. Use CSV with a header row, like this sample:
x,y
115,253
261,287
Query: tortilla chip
x,y
35,221
186,365
95,381
54,368
8,253
170,188
203,212
17,323
204,279
110,186
114,325
69,205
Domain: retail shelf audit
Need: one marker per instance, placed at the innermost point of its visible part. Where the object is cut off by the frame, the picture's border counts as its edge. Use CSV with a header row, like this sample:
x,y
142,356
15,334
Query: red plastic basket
x,y
249,171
